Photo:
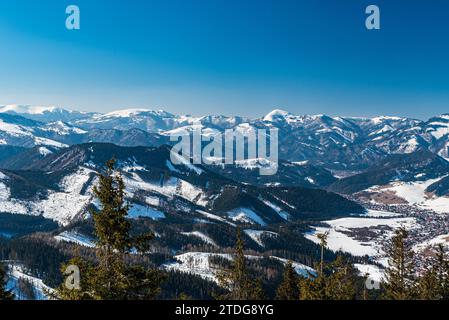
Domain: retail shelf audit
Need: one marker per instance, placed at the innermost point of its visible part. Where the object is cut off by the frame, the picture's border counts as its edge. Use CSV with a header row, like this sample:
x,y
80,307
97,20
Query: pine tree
x,y
313,288
428,286
400,280
112,278
237,280
258,292
341,284
289,288
111,226
434,283
441,267
4,294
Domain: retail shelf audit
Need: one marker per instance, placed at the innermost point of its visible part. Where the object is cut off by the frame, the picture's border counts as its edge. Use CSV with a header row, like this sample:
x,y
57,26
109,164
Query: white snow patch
x,y
75,237
256,235
246,215
284,215
338,240
138,211
441,239
371,271
44,151
200,235
15,273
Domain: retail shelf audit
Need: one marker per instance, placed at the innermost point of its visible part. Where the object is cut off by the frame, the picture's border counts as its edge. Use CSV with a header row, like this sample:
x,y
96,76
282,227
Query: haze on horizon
x,y
228,57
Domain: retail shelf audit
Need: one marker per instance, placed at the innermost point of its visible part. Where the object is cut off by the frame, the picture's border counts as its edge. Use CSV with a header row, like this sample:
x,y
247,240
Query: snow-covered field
x,y
201,236
64,205
197,263
169,188
363,235
441,239
359,236
77,238
371,271
246,215
61,206
138,211
16,272
256,235
414,193
284,215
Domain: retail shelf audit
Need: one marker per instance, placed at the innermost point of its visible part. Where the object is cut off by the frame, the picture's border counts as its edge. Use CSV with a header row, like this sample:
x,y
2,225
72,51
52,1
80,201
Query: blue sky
x,y
243,57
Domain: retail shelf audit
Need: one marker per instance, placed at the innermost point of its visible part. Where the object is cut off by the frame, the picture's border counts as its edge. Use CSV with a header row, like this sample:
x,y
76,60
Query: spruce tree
x,y
289,288
428,286
441,267
111,278
434,283
400,280
341,284
237,280
313,288
4,294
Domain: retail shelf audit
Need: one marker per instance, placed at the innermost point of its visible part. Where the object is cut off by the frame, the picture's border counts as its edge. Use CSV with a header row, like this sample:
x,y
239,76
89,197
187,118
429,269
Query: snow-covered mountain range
x,y
339,143
341,154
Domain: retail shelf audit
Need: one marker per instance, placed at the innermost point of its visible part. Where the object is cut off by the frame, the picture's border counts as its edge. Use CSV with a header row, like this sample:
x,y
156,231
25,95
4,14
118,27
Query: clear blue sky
x,y
242,57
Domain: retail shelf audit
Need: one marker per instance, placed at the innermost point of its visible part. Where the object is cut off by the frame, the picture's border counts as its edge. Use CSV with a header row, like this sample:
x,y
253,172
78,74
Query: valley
x,y
392,172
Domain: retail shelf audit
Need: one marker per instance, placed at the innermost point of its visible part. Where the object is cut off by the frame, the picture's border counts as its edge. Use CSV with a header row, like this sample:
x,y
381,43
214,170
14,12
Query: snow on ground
x,y
379,214
152,201
66,205
61,206
169,188
257,163
284,215
44,151
186,162
300,268
47,142
15,273
246,215
415,194
197,263
214,217
441,239
372,271
138,211
256,235
200,235
342,234
75,237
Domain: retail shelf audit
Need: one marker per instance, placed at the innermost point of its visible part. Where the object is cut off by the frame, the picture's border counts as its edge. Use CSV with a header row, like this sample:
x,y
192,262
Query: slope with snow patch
x,y
198,263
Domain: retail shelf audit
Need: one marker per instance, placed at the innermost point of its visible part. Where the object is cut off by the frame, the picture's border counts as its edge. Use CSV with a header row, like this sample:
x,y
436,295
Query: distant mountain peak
x,y
277,115
126,113
28,109
44,113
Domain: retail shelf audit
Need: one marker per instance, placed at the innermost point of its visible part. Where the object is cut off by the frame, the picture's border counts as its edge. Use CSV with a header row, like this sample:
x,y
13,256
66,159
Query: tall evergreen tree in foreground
x,y
341,283
434,283
400,280
237,280
314,286
111,278
289,288
4,294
